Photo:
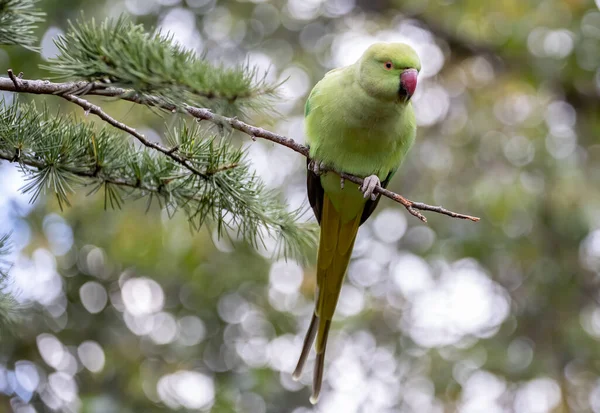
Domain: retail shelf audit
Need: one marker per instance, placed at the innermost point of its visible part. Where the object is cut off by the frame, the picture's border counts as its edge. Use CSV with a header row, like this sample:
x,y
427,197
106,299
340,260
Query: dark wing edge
x,y
315,195
315,192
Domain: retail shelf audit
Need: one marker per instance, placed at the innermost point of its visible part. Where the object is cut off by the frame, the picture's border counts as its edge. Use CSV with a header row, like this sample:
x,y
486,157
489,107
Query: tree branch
x,y
97,110
68,90
133,184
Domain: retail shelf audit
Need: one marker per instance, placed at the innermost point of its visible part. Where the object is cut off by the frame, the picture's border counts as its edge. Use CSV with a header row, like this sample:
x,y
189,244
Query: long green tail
x,y
335,249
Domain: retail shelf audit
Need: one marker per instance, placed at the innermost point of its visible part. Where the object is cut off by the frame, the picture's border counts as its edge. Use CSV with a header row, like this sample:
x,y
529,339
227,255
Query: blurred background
x,y
130,311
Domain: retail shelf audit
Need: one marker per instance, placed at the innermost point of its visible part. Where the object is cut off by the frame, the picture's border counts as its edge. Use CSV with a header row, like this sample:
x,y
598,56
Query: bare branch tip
x,y
416,213
14,79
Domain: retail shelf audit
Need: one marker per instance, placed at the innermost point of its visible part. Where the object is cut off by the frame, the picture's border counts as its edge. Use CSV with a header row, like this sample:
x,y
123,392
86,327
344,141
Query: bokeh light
x,y
499,316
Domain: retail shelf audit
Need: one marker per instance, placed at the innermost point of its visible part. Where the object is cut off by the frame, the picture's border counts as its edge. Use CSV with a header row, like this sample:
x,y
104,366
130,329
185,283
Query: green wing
x,y
315,91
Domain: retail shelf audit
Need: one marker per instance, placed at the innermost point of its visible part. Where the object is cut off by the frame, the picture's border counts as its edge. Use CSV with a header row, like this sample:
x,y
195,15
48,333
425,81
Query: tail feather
x,y
320,367
308,342
335,247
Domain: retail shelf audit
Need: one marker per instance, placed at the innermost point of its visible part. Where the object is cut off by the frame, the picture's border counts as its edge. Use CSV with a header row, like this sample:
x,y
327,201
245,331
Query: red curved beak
x,y
408,82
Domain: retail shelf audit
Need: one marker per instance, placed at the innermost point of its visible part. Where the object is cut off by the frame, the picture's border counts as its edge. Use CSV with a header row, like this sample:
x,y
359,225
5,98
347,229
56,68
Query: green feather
x,y
357,122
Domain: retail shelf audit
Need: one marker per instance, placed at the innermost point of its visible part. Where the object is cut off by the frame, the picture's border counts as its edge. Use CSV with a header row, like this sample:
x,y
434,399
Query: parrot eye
x,y
388,65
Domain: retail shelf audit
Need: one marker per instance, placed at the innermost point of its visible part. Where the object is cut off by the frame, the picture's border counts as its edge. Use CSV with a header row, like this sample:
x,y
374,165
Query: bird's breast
x,y
356,133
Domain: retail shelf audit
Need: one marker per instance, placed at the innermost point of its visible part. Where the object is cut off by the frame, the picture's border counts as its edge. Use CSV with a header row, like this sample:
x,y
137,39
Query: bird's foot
x,y
368,187
317,167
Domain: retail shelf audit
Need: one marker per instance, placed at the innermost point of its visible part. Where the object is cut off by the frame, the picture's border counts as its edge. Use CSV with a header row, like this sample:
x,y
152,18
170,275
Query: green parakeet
x,y
358,120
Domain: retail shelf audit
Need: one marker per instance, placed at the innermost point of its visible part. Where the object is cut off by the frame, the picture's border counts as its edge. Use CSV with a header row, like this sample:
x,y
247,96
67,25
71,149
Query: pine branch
x,y
18,19
4,250
48,88
123,54
8,306
97,110
58,153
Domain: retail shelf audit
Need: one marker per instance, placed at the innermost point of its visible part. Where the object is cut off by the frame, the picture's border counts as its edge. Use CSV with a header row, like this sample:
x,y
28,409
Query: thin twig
x,y
133,184
174,149
97,110
14,79
66,91
33,87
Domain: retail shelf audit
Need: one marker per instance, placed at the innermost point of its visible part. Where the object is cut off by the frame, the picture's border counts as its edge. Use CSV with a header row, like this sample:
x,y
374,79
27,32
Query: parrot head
x,y
388,71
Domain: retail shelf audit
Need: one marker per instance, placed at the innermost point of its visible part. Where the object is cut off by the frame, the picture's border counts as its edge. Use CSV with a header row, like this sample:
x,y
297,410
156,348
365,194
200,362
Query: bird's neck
x,y
362,106
361,101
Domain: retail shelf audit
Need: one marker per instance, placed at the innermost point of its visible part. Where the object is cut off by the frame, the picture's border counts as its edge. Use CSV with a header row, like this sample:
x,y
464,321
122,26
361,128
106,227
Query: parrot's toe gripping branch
x,y
317,167
368,186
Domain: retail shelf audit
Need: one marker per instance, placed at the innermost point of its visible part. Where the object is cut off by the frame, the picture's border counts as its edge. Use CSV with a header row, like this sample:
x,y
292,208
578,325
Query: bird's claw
x,y
317,167
368,187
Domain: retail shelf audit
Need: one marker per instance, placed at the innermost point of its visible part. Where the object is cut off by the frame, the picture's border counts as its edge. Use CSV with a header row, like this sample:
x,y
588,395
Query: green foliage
x,y
8,305
18,19
4,250
56,153
124,54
